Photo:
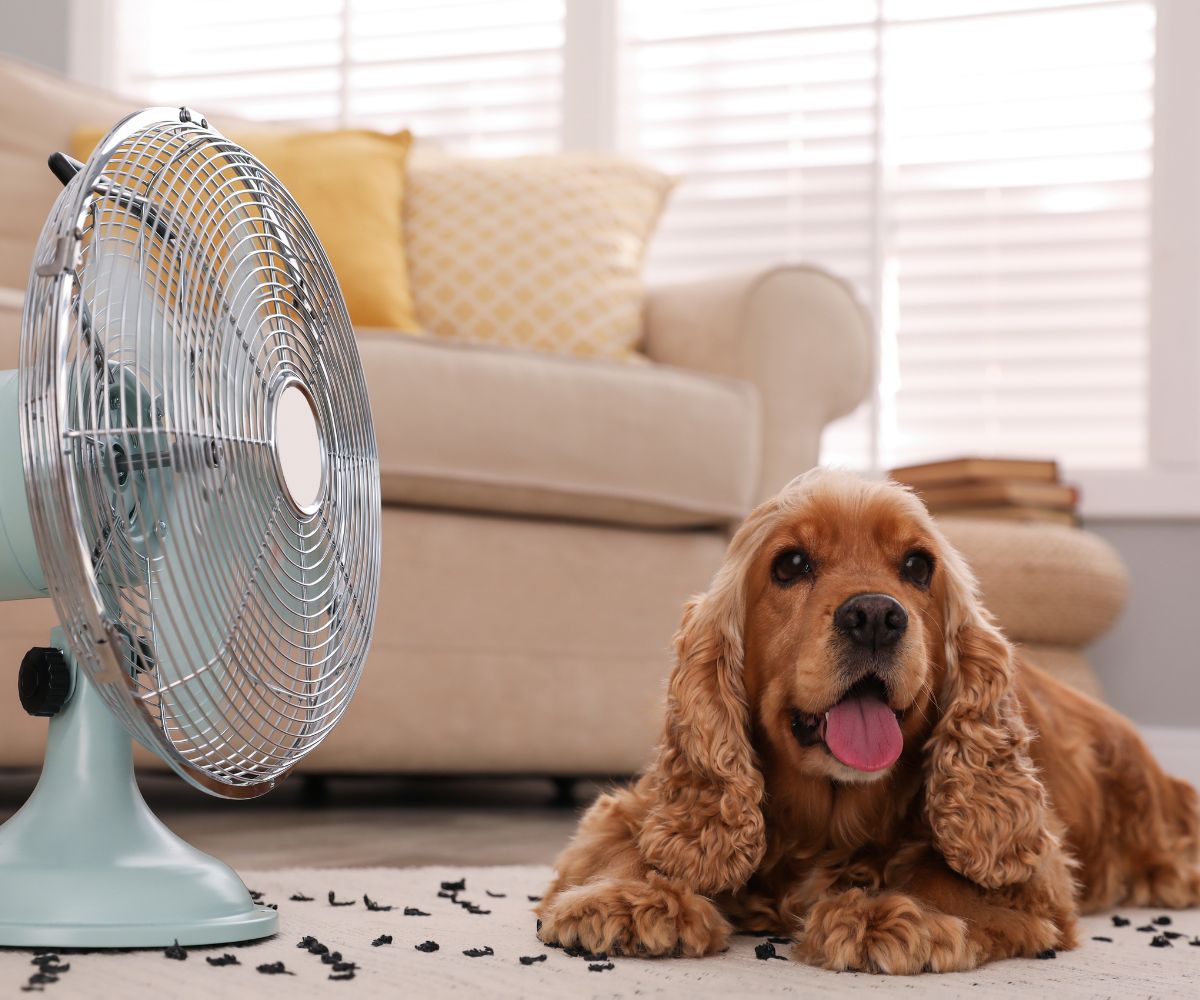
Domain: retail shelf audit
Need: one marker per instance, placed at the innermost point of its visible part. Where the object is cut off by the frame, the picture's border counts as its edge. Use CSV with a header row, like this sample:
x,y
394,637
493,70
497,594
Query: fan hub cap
x,y
300,455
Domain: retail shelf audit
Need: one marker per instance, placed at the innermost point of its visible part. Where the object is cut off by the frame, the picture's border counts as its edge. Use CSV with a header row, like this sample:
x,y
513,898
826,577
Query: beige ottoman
x,y
1053,589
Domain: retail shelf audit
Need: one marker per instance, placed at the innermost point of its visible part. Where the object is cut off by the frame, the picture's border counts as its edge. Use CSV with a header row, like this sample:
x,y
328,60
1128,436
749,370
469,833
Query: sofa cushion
x,y
1045,583
541,252
494,429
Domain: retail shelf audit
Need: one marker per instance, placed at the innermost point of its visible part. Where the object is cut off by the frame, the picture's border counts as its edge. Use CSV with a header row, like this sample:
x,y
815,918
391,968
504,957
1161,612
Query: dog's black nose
x,y
871,620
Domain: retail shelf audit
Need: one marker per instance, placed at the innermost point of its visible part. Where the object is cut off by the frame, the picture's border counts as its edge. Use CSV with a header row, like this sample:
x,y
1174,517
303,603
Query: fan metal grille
x,y
177,292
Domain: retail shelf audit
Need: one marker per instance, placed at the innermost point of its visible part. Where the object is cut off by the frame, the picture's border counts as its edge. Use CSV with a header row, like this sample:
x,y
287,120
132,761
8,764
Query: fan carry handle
x,y
63,167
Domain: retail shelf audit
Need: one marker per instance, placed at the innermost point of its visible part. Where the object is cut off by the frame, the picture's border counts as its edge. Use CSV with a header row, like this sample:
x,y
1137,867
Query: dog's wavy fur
x,y
1016,803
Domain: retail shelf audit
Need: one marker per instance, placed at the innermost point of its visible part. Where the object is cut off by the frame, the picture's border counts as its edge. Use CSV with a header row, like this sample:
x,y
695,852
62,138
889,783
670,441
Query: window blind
x,y
481,77
979,168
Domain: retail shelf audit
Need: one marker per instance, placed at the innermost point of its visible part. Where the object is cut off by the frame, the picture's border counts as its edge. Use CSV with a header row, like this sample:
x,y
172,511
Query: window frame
x,y
1168,487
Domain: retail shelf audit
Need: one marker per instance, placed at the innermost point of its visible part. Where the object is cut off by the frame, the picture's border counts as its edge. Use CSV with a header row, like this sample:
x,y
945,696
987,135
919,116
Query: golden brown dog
x,y
854,755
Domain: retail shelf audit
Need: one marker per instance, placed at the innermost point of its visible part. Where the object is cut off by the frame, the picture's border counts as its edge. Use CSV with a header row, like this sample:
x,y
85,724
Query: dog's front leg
x,y
606,899
651,915
927,917
886,932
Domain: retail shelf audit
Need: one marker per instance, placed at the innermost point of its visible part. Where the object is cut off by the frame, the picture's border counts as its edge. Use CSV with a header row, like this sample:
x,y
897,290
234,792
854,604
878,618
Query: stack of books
x,y
1005,488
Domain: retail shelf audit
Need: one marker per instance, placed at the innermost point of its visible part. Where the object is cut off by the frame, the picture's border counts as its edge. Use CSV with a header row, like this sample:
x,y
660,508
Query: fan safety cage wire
x,y
176,293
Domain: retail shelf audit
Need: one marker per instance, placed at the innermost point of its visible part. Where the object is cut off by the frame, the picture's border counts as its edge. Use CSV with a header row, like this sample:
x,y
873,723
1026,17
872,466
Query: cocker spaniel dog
x,y
854,755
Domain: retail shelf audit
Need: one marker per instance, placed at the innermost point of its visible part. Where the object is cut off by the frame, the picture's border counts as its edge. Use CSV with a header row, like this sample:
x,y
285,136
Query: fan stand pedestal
x,y
86,864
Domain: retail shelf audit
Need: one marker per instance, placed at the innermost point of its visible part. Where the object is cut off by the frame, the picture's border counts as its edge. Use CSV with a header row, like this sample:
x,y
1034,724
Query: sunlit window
x,y
481,78
979,169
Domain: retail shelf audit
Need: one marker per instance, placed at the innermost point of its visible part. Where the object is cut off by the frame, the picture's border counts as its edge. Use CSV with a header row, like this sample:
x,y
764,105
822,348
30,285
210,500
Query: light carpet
x,y
1125,967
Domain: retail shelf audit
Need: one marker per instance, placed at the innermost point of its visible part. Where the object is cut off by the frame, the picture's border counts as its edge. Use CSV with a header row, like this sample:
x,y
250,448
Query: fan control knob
x,y
44,683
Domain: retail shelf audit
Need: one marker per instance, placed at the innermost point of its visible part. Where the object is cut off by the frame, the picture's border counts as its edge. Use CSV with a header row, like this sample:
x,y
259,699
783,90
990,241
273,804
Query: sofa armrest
x,y
798,333
11,305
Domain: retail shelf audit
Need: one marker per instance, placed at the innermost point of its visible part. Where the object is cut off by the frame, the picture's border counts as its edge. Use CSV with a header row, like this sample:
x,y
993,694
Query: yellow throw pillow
x,y
350,185
541,252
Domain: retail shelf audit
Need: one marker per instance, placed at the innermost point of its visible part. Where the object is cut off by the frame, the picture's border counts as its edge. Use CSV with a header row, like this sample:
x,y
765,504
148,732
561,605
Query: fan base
x,y
86,864
261,922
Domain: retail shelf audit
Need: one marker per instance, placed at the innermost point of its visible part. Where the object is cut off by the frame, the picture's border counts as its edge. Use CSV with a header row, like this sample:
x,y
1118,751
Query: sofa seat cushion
x,y
1045,583
519,432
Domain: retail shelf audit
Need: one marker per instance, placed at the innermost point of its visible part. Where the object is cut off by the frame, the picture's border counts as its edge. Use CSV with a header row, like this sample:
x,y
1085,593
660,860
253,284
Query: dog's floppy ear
x,y
705,823
985,802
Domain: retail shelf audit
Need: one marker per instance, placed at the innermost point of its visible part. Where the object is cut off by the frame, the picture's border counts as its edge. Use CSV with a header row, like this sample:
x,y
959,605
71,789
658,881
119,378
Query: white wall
x,y
36,31
1150,663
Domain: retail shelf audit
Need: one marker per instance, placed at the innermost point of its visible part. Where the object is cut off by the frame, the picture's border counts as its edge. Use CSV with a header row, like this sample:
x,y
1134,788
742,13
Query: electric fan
x,y
188,469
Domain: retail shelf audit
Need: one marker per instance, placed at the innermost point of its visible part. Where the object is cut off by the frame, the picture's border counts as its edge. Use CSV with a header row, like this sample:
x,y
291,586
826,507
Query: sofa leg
x,y
314,791
564,792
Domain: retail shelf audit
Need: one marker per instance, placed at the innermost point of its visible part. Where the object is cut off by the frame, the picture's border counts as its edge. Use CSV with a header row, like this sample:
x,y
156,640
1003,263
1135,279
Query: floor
x,y
364,822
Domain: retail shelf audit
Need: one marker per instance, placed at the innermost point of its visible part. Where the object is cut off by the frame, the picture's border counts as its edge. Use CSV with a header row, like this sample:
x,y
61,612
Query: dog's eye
x,y
790,566
917,568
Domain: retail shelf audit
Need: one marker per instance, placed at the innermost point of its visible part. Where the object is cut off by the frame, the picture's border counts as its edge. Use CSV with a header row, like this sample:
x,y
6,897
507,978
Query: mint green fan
x,y
188,470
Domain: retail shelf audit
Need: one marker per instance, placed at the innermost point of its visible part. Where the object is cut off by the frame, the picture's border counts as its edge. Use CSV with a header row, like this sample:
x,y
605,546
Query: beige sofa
x,y
544,517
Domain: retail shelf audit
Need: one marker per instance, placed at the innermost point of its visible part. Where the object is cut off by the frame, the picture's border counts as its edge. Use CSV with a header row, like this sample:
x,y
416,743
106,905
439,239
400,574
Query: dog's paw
x,y
651,917
889,933
1174,885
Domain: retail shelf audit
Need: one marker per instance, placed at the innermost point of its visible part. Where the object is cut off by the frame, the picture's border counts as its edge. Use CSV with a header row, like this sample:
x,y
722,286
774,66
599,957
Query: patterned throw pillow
x,y
540,252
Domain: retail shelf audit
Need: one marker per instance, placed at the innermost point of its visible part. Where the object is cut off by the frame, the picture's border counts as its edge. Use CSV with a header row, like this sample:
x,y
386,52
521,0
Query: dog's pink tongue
x,y
862,732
